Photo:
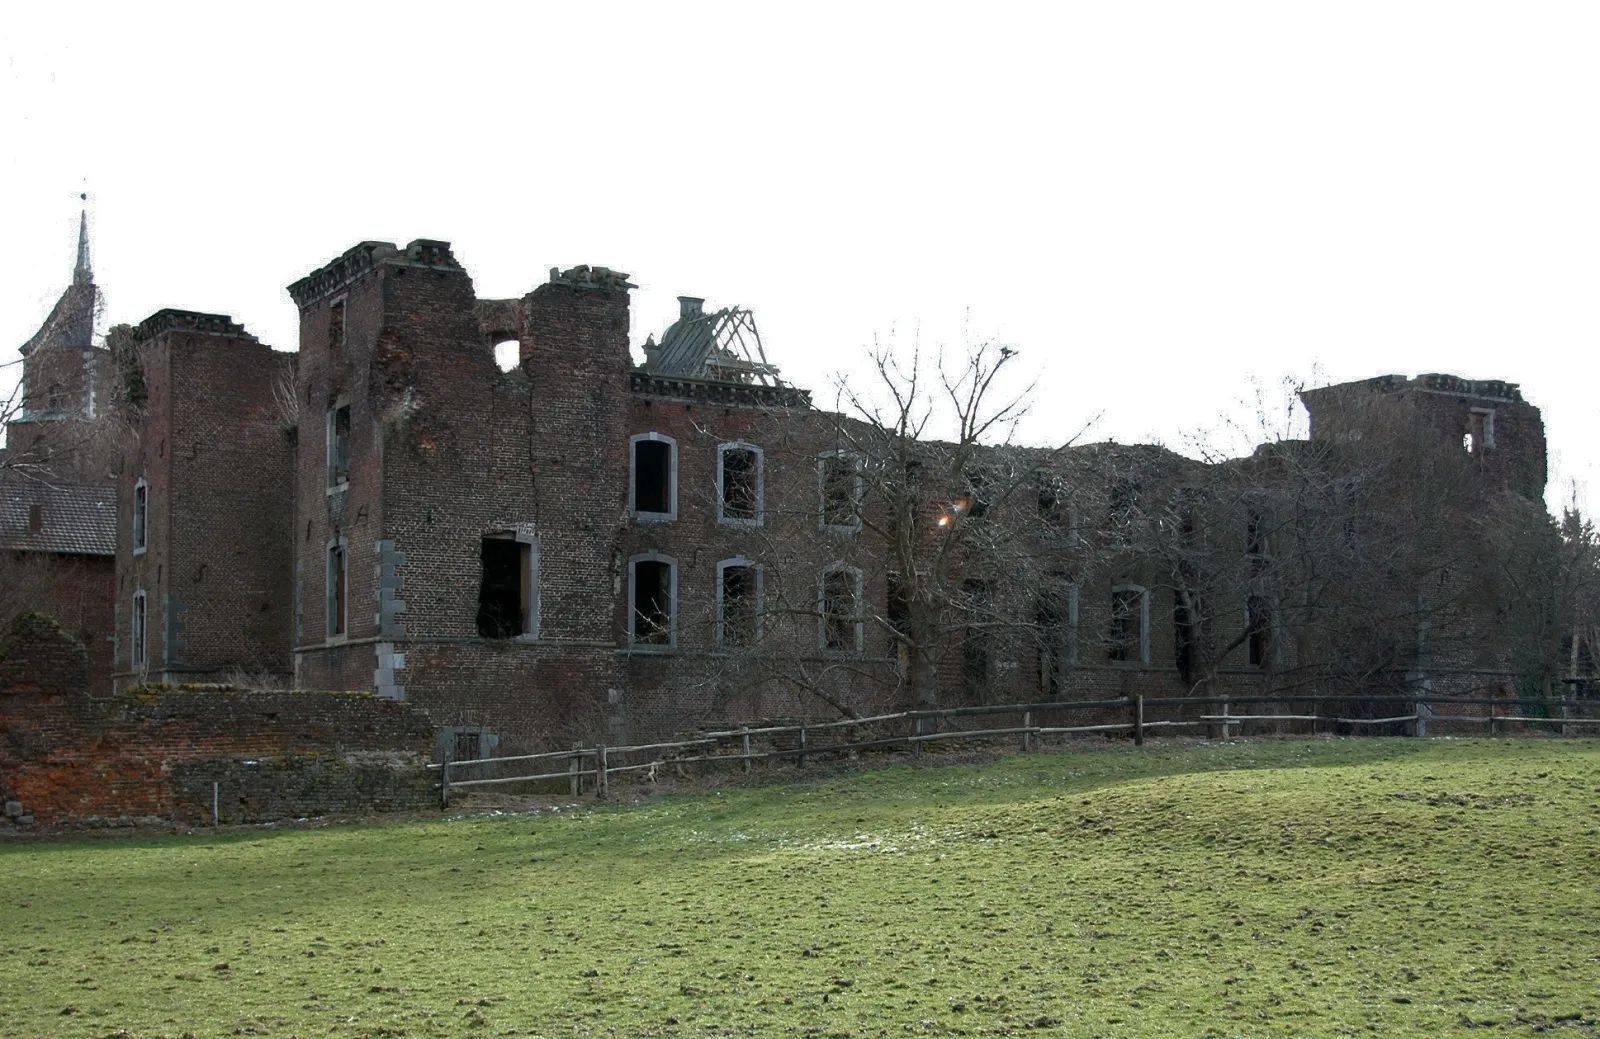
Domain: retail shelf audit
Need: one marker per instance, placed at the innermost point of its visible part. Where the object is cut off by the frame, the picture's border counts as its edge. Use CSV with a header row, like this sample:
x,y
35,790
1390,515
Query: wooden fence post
x,y
602,782
744,745
1138,719
800,758
444,785
1027,732
1224,721
916,730
1491,721
575,766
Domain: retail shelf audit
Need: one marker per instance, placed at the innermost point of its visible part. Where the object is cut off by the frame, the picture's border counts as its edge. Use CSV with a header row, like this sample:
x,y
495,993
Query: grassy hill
x,y
1396,887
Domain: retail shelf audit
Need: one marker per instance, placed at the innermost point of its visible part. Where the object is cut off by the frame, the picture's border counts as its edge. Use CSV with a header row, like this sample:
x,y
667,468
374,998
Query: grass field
x,y
1396,887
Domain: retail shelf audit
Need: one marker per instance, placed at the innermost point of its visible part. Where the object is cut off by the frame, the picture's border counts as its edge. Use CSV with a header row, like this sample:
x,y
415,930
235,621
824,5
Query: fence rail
x,y
800,741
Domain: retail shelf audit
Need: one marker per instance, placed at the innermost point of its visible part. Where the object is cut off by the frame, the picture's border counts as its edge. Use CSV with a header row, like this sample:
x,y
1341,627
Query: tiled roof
x,y
72,519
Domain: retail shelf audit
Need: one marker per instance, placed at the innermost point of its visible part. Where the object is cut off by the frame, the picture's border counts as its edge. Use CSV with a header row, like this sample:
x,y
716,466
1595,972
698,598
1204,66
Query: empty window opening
x,y
1128,640
897,613
976,498
338,589
507,354
1183,636
740,594
1255,534
654,490
505,595
976,642
1052,499
54,397
652,606
141,510
339,446
840,476
1258,619
336,327
841,613
468,747
1479,436
139,630
1056,617
739,482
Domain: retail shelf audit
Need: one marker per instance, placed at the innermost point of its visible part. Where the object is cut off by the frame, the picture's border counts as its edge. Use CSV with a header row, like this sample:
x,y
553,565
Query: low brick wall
x,y
156,753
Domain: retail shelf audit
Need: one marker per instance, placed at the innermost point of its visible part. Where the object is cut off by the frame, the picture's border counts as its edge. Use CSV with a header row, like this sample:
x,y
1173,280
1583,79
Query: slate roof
x,y
74,519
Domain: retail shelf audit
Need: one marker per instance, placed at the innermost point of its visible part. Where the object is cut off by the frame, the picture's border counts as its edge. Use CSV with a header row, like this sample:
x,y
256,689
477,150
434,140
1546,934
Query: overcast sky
x,y
1161,205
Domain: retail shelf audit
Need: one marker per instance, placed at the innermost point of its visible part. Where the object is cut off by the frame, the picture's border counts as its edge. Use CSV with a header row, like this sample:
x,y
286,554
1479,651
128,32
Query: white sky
x,y
1158,203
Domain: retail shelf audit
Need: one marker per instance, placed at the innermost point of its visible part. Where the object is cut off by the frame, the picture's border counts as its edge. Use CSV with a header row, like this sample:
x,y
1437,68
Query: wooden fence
x,y
592,767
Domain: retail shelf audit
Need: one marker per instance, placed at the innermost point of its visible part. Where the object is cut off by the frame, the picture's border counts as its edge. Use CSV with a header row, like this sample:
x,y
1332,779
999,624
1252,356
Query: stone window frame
x,y
341,544
139,640
761,485
858,591
671,514
530,616
1144,621
141,516
741,561
634,644
336,484
859,492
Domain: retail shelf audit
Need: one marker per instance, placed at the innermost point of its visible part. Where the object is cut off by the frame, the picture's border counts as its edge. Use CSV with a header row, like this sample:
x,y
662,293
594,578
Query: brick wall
x,y
157,752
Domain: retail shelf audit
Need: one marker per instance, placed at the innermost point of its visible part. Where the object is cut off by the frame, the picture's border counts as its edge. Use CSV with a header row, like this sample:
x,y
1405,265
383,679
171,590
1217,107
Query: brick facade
x,y
351,516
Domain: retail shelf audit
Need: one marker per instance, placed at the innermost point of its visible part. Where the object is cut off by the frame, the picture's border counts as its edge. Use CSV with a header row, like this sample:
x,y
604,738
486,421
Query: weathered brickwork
x,y
156,752
214,457
389,512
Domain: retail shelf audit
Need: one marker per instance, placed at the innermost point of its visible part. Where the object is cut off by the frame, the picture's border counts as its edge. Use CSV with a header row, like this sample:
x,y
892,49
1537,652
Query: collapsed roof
x,y
722,346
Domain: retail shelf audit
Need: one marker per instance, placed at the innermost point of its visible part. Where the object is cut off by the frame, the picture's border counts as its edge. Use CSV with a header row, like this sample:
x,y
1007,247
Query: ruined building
x,y
581,547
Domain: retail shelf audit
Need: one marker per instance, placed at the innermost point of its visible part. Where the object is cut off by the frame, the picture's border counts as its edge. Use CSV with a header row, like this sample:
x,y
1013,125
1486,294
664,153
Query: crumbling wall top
x,y
365,257
192,322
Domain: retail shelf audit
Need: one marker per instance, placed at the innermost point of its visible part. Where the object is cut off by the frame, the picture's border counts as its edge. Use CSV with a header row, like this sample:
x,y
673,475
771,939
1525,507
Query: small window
x,y
652,591
841,610
336,327
507,591
468,746
54,397
339,446
1258,618
507,354
976,642
1184,635
1052,499
1056,615
738,603
139,630
739,484
1255,534
839,476
338,588
654,487
978,494
141,512
1480,431
35,519
1129,638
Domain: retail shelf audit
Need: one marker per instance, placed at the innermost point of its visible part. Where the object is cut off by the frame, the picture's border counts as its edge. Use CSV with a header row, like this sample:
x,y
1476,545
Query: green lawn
x,y
1397,887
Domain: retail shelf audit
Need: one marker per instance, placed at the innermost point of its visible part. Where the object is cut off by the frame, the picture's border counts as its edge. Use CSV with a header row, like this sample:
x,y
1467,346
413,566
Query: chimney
x,y
689,307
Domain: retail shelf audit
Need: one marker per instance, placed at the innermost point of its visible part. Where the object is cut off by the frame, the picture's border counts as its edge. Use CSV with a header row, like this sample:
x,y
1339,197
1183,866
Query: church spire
x,y
81,274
